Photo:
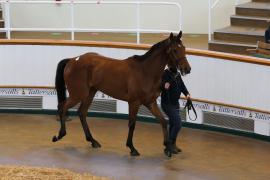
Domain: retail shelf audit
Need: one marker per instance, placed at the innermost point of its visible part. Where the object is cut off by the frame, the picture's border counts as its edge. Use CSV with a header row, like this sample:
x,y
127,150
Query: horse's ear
x,y
179,35
171,36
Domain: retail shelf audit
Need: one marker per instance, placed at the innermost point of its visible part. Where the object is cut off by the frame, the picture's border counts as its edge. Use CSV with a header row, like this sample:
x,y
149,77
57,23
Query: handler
x,y
172,87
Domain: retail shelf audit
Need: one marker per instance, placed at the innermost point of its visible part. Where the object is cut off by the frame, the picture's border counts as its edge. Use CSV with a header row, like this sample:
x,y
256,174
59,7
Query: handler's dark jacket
x,y
177,86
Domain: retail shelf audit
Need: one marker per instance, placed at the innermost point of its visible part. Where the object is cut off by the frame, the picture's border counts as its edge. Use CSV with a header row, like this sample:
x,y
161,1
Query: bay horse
x,y
136,80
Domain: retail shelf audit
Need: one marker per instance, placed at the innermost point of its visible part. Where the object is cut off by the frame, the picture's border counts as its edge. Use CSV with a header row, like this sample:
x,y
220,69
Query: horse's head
x,y
177,54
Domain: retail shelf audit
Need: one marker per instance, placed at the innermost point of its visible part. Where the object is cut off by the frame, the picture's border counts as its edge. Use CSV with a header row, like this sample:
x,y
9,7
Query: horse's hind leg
x,y
83,113
133,110
70,102
153,108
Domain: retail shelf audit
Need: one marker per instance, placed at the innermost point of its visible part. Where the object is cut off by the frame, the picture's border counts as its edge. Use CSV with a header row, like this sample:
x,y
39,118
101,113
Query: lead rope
x,y
189,106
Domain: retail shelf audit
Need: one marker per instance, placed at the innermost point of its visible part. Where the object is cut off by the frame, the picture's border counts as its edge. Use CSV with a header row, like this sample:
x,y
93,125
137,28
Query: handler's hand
x,y
167,85
188,96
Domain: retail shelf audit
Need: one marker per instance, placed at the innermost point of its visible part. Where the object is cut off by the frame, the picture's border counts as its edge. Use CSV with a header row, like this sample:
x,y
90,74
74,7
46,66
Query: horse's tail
x,y
60,84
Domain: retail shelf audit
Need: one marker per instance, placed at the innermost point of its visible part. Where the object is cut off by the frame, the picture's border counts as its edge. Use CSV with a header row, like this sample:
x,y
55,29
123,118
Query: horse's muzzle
x,y
188,70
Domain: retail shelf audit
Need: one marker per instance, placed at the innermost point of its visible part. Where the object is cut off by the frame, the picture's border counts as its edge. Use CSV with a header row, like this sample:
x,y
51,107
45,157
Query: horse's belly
x,y
111,82
117,95
114,90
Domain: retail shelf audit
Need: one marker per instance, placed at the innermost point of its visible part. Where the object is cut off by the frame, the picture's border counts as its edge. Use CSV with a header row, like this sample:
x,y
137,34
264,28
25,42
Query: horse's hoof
x,y
167,153
134,153
54,139
96,145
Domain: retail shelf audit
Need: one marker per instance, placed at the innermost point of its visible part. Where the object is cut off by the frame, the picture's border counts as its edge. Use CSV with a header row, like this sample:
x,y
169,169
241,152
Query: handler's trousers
x,y
175,123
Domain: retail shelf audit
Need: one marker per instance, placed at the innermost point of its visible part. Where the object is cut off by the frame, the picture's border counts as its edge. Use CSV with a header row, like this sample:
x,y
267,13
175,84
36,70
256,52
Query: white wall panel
x,y
36,65
229,82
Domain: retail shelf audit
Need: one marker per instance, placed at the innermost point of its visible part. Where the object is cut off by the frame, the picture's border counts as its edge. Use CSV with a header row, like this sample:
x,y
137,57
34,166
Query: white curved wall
x,y
212,79
218,80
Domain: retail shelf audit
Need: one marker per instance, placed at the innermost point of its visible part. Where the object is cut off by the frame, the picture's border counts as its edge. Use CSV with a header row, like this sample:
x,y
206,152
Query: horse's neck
x,y
155,65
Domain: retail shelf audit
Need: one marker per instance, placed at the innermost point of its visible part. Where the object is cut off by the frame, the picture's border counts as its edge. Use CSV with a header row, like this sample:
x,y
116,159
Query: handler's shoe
x,y
175,149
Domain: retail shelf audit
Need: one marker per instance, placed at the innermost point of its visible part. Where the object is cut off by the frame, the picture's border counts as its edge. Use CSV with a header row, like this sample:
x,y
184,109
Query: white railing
x,y
211,6
138,30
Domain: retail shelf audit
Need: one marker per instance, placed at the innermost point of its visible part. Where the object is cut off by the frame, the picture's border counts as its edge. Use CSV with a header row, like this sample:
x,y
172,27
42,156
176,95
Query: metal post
x,y
180,17
72,18
209,21
7,18
138,22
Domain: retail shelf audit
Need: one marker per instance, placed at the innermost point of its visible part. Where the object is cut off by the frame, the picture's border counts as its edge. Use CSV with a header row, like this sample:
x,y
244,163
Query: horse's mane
x,y
151,50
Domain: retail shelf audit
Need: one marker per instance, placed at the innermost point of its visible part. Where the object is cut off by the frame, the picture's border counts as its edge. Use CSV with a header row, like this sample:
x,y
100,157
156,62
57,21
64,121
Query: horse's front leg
x,y
153,108
133,110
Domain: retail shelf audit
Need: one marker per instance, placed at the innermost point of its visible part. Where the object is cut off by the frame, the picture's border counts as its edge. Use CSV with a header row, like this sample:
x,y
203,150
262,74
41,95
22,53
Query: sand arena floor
x,y
26,140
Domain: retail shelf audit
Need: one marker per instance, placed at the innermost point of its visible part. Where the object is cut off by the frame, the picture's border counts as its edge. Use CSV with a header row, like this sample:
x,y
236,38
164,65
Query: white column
x,y
49,102
262,127
199,119
121,107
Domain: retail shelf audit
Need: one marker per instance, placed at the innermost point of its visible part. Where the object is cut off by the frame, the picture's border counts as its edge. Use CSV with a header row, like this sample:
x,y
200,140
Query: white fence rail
x,y
138,30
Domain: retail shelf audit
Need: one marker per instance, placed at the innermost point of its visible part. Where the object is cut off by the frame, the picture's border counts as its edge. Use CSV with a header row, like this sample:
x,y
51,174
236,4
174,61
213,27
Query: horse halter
x,y
175,60
173,57
182,58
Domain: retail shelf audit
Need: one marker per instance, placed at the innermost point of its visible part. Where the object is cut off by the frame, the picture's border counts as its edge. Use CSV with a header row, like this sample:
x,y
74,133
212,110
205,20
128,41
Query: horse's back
x,y
106,74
